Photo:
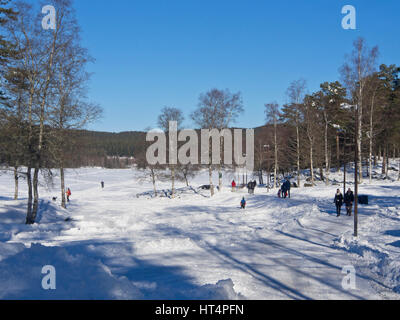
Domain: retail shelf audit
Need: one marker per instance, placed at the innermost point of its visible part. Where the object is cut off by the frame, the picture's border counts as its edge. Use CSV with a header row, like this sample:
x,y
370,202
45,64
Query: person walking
x,y
102,184
68,193
288,185
233,186
249,186
338,202
284,190
349,200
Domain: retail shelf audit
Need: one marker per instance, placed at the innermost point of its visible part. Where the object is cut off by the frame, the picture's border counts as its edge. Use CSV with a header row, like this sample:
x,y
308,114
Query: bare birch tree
x,y
217,109
273,114
292,113
361,64
167,116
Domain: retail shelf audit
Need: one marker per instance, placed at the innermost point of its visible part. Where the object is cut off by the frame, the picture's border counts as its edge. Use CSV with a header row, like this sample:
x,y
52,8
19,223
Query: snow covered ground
x,y
117,246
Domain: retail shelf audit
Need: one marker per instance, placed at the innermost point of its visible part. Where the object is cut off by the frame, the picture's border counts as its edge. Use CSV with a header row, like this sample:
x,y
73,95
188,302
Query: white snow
x,y
120,246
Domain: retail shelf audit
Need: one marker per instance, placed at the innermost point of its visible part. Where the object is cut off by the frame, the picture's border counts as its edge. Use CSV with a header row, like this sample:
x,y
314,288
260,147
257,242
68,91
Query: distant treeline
x,y
104,149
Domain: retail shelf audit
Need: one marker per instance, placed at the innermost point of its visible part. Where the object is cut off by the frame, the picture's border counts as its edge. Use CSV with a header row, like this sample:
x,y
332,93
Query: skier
x,y
68,194
338,201
348,200
233,186
102,184
243,203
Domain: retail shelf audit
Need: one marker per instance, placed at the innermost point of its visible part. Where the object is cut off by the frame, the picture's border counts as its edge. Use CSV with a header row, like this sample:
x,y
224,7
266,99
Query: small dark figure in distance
x,y
338,202
243,204
102,184
68,194
348,200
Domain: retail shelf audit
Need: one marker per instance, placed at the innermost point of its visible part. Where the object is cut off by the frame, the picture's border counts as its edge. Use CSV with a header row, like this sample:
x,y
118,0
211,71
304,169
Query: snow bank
x,y
378,261
77,276
223,290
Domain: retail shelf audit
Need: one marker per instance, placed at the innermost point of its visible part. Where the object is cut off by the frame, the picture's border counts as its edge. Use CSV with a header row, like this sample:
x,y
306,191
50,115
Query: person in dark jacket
x,y
283,190
253,186
338,202
348,200
287,184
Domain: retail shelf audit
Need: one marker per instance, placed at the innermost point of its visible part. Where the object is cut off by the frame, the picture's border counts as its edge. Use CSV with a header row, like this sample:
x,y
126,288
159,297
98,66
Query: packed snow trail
x,y
118,246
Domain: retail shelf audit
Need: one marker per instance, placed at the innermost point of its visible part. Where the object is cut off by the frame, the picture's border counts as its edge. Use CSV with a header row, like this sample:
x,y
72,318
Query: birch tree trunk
x,y
29,219
153,178
220,178
62,177
311,162
387,162
327,165
35,185
298,154
276,156
211,182
371,135
186,179
16,183
384,160
370,148
337,152
359,144
398,177
173,181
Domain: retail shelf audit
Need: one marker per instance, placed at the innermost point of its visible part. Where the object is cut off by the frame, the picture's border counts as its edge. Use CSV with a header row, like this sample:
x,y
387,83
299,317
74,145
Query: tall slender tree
x,y
355,72
217,109
169,115
273,114
292,113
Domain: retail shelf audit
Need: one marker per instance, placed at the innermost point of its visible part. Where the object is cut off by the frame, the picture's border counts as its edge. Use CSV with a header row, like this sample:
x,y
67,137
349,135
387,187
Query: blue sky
x,y
150,54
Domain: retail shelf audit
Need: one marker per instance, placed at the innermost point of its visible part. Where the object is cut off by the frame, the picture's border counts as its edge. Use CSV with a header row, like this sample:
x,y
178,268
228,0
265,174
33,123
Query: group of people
x,y
251,186
347,199
284,191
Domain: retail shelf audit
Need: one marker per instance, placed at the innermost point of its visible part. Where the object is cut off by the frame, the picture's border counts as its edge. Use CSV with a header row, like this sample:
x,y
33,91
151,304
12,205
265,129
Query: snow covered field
x,y
117,246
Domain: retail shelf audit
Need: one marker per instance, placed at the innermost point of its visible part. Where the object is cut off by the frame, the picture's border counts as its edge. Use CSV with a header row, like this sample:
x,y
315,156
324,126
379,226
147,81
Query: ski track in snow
x,y
118,246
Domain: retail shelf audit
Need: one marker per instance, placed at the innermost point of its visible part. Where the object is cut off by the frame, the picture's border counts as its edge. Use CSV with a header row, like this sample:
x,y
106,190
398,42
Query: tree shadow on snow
x,y
98,270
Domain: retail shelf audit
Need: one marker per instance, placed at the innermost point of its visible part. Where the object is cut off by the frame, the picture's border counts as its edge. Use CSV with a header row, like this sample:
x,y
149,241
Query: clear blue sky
x,y
150,54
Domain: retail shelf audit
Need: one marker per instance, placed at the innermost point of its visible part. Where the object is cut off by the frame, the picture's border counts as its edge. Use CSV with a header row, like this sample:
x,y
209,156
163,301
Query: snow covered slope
x,y
117,246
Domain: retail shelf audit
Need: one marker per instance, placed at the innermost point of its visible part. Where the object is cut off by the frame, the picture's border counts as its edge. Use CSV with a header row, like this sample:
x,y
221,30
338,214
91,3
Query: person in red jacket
x,y
233,186
68,194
